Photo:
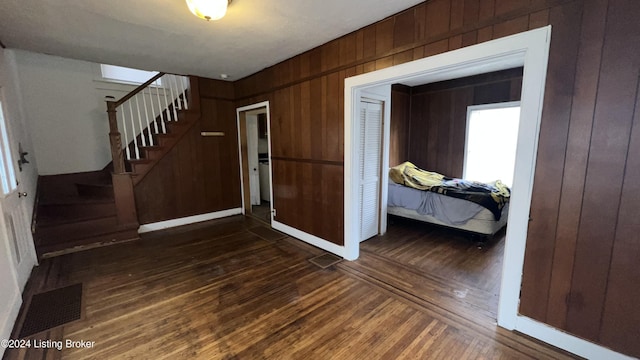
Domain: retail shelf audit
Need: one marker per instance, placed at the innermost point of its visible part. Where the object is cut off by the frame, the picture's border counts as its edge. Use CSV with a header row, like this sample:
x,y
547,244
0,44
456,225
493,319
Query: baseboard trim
x,y
566,341
308,238
144,228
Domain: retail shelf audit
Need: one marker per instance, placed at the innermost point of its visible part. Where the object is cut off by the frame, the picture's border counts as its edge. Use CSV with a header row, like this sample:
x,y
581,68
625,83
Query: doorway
x,y
529,50
255,168
17,253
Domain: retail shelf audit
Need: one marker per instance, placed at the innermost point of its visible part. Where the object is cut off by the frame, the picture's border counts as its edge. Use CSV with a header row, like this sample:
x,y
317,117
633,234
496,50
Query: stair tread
x,y
61,218
75,245
56,233
73,200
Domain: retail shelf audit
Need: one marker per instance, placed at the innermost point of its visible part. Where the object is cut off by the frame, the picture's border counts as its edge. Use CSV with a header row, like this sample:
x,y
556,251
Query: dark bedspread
x,y
492,196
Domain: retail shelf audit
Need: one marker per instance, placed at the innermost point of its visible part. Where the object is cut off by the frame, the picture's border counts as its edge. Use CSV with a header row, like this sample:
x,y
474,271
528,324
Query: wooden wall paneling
x,y
293,120
438,17
419,131
539,19
437,47
384,62
505,6
220,154
455,42
457,15
621,318
460,100
315,60
399,124
435,109
304,114
492,93
153,201
333,129
469,38
404,28
439,113
471,12
511,26
348,51
184,168
485,34
486,10
418,53
614,110
330,55
368,42
318,116
420,25
403,57
550,159
384,36
445,120
575,166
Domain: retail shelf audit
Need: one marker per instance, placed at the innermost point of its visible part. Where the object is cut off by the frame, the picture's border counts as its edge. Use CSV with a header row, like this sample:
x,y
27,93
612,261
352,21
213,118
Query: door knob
x,y
22,194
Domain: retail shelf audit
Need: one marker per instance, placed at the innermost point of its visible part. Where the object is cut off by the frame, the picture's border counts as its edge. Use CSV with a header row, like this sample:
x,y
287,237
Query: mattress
x,y
443,210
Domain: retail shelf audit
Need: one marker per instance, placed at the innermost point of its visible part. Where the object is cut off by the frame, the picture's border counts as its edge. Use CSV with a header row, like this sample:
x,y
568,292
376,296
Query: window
x,y
6,164
492,138
124,74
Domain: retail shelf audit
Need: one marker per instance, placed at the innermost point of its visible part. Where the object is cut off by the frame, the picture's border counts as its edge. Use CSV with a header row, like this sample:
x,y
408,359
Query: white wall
x,y
66,112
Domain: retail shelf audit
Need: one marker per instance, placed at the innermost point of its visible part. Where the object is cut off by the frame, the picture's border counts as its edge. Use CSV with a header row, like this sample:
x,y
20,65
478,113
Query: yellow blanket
x,y
410,175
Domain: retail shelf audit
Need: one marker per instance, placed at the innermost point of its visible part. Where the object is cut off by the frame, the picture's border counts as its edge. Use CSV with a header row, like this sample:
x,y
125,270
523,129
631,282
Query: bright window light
x,y
492,138
125,75
7,171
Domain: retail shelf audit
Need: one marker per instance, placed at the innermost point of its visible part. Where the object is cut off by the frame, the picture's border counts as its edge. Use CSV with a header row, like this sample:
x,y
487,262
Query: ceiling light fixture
x,y
208,9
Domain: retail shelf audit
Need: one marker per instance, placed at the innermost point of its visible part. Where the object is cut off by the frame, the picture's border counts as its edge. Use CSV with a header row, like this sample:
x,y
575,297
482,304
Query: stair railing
x,y
142,113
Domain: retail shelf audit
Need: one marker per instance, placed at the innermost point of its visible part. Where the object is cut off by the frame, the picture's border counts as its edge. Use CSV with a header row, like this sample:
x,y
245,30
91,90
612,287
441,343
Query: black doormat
x,y
325,260
52,308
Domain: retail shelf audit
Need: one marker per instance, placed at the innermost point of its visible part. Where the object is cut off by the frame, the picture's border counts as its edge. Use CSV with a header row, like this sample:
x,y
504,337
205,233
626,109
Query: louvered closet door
x,y
370,153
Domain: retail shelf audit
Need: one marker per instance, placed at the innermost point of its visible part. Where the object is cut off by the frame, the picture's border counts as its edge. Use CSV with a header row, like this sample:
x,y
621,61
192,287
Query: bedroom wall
x,y
438,116
399,125
200,174
582,246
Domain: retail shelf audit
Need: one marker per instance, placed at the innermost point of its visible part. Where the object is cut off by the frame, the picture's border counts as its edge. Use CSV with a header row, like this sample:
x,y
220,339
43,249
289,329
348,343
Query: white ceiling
x,y
163,35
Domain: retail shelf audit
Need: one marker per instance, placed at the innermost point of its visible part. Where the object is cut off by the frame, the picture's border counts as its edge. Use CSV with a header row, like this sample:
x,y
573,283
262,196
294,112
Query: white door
x,y
17,253
252,156
370,154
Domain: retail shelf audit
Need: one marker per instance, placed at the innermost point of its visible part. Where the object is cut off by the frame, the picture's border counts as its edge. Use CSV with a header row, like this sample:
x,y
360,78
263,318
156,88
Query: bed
x,y
448,207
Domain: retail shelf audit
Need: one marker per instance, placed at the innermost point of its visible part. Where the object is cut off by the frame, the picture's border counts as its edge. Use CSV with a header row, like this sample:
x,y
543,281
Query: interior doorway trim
x,y
240,112
531,50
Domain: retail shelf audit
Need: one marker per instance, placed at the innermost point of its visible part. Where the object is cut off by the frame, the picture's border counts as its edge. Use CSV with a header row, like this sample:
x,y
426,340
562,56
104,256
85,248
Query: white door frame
x,y
531,50
260,105
383,94
251,121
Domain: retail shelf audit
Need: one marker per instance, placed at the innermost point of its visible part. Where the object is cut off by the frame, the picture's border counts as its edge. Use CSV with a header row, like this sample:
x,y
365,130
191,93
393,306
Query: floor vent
x,y
51,309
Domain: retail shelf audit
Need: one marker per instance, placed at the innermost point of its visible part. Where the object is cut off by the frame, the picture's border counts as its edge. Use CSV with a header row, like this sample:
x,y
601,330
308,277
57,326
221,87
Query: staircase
x,y
81,211
76,212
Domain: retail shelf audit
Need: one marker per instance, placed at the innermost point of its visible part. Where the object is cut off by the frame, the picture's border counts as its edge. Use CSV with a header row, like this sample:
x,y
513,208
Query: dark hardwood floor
x,y
235,289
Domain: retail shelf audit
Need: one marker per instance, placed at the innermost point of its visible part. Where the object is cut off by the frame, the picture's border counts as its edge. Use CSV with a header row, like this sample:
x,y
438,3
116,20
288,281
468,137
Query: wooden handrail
x,y
138,89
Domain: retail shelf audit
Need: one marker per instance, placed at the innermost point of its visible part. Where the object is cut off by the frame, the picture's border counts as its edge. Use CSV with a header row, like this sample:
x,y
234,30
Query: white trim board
x,y
144,228
529,49
566,341
308,238
250,108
